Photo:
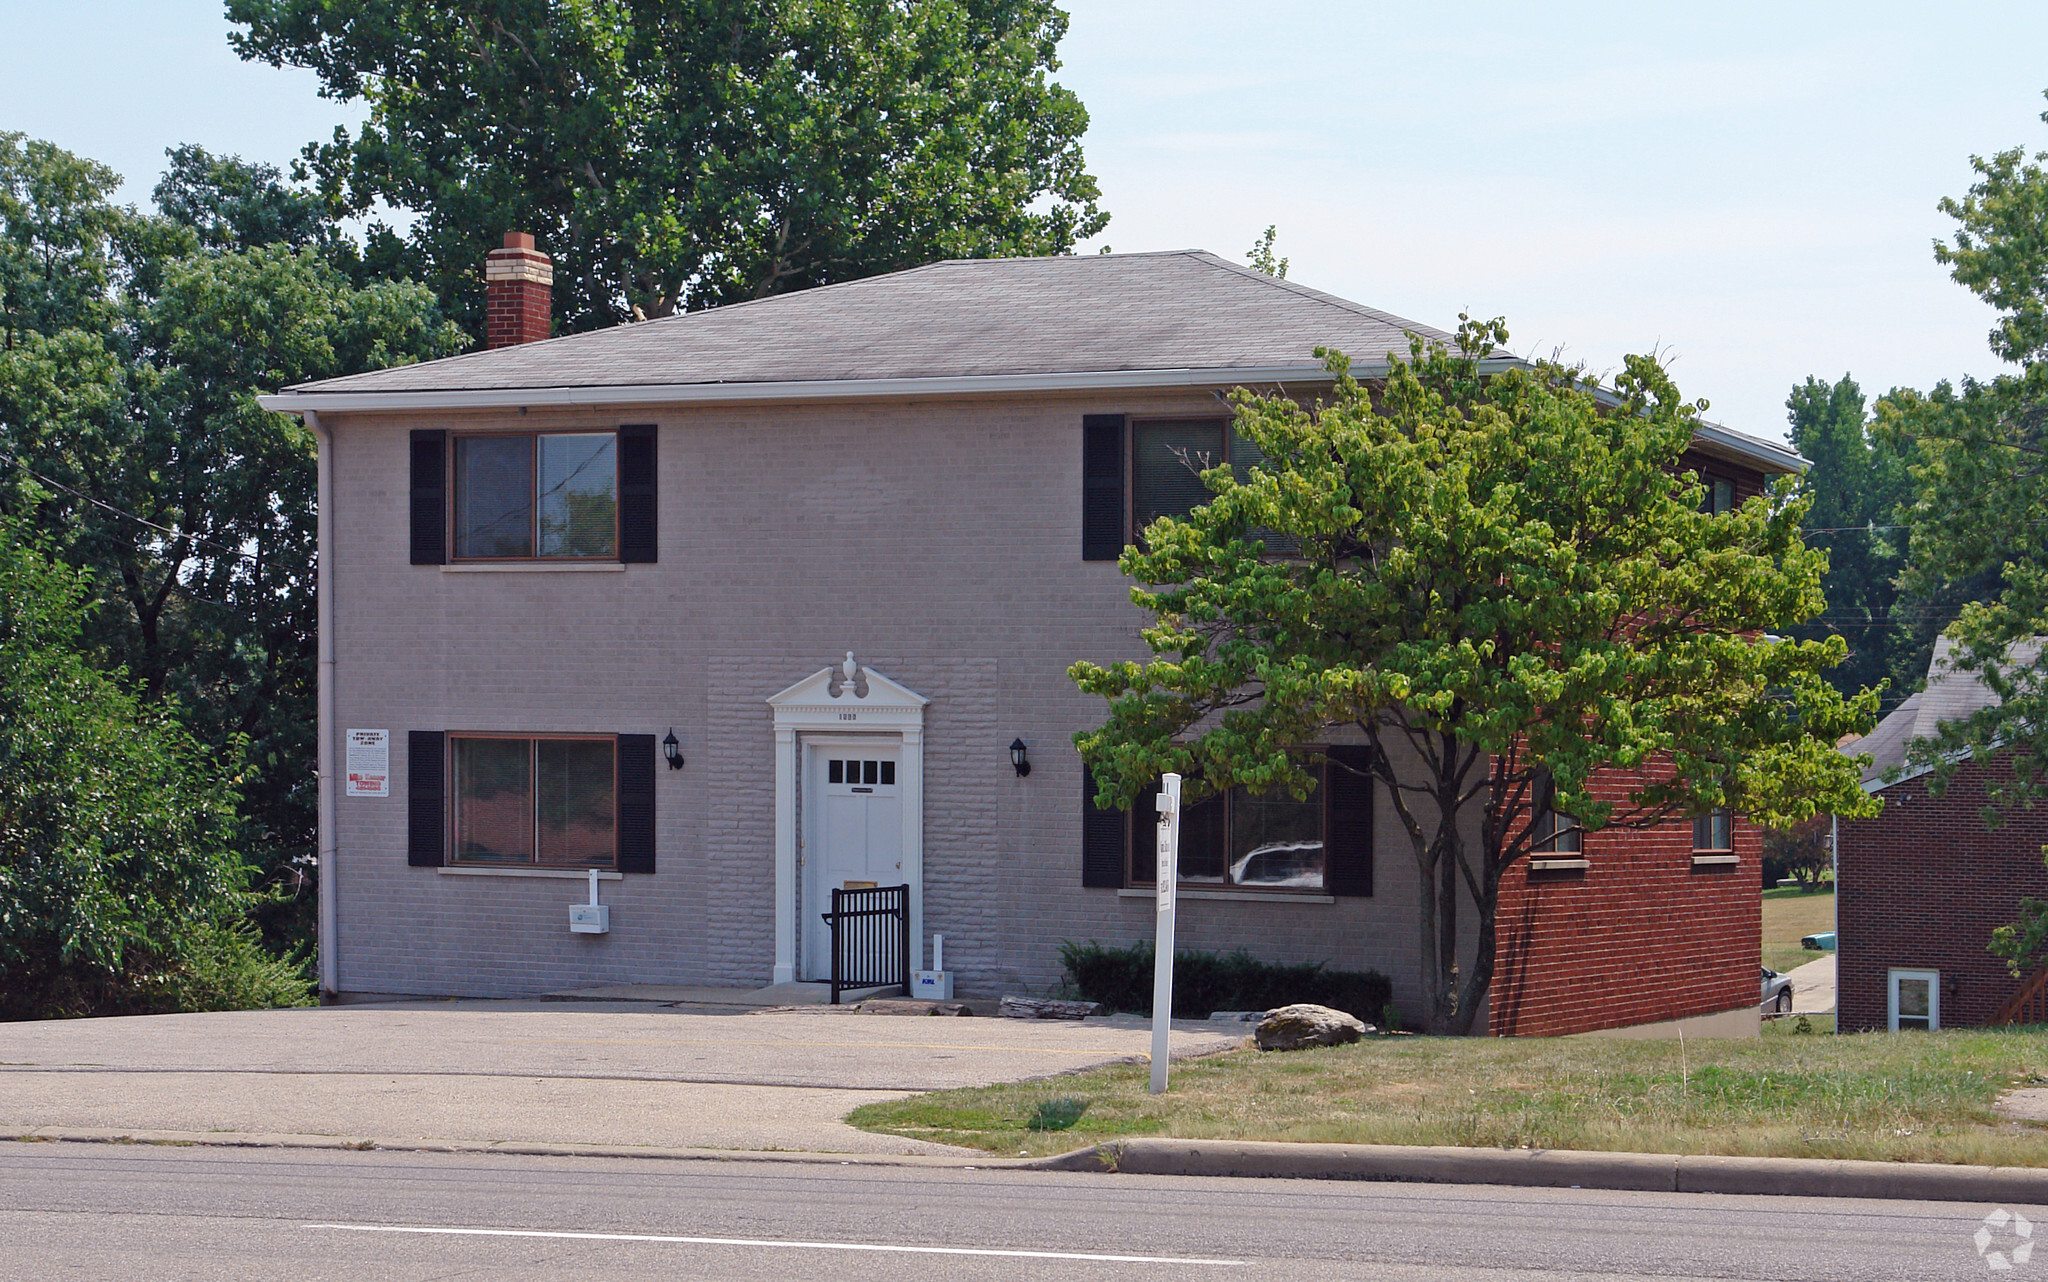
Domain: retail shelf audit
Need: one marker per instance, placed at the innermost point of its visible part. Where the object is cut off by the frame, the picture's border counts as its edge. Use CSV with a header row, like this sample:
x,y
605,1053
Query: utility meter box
x,y
932,985
590,919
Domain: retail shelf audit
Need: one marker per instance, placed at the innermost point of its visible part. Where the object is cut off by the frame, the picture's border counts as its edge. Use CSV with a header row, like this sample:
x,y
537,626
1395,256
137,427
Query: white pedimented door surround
x,y
834,712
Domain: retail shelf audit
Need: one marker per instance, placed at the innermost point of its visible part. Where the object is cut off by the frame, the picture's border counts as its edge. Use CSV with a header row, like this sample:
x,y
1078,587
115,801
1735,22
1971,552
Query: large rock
x,y
1044,1008
1291,1028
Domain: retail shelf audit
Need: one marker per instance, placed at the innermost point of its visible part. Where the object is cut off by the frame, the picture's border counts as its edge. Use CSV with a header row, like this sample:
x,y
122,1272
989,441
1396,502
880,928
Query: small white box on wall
x,y
932,985
592,918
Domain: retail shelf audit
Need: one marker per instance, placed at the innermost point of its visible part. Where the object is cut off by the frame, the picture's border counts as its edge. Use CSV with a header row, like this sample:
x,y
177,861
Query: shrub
x,y
1121,980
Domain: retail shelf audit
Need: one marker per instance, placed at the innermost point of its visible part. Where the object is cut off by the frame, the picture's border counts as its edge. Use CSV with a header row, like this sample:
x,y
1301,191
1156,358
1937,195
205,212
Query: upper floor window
x,y
1720,496
536,496
1168,457
1714,831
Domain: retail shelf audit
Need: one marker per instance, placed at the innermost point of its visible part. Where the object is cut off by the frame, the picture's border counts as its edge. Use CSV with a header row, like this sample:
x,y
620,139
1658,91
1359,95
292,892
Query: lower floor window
x,y
536,800
1551,832
1915,1000
1714,831
1262,840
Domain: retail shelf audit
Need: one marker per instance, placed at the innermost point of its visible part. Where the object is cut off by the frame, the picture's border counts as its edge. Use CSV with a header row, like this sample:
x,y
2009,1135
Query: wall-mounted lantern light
x,y
1019,758
672,748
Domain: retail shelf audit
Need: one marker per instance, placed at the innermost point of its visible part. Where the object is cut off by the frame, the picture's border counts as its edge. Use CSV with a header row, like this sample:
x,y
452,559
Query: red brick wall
x,y
1639,936
515,311
1921,886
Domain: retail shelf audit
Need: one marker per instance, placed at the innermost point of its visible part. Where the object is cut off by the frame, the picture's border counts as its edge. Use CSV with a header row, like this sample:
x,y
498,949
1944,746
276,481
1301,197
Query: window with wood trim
x,y
1551,832
1240,838
548,800
1168,457
535,496
1713,832
1720,495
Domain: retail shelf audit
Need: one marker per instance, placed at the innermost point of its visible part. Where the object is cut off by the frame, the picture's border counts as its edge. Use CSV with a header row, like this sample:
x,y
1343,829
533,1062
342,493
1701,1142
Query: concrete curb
x,y
261,1139
1252,1159
1550,1168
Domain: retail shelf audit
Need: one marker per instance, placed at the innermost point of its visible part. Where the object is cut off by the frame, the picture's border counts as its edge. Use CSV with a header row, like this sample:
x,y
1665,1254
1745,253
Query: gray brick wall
x,y
939,541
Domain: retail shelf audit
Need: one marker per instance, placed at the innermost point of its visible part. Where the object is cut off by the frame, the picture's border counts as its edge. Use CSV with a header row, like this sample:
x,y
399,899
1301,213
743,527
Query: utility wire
x,y
140,520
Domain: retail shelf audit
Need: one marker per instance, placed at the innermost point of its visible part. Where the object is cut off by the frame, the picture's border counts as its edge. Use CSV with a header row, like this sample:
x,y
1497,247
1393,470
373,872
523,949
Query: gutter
x,y
330,963
294,402
291,401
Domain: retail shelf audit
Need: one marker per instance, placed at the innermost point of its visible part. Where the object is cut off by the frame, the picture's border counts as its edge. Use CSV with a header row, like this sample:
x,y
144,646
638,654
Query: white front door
x,y
856,839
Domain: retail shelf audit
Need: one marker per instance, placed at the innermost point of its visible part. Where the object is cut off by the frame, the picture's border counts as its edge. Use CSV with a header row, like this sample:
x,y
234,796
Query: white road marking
x,y
804,1246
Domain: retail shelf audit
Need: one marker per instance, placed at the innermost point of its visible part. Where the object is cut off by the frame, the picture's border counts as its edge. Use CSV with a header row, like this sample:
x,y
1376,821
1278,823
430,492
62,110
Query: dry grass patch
x,y
1887,1096
1788,916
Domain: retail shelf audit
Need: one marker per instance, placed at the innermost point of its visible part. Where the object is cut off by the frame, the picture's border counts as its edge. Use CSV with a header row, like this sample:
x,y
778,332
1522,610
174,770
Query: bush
x,y
121,889
1121,980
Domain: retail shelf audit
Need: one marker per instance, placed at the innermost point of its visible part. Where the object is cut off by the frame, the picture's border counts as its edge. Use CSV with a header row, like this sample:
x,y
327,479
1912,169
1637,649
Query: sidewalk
x,y
576,1073
1813,987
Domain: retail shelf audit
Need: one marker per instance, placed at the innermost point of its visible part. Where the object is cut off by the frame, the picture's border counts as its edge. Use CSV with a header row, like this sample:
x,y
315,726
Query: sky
x,y
1749,190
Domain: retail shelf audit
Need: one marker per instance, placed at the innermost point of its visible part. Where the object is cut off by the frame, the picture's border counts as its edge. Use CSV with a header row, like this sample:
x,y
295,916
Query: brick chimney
x,y
517,282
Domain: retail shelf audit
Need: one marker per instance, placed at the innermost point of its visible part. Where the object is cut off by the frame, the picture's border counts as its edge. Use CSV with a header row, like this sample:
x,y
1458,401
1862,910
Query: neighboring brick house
x,y
542,560
1921,886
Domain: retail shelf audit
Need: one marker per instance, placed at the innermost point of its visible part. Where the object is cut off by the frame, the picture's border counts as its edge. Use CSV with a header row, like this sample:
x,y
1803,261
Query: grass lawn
x,y
1922,1097
1789,915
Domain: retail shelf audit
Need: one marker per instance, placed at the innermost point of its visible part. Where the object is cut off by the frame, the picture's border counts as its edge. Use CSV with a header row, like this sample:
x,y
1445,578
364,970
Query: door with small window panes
x,y
857,838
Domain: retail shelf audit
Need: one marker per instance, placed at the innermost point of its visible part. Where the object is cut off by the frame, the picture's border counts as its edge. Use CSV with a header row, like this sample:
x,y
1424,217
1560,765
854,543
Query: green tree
x,y
130,438
1492,580
57,239
680,155
1860,486
1980,510
120,890
1261,256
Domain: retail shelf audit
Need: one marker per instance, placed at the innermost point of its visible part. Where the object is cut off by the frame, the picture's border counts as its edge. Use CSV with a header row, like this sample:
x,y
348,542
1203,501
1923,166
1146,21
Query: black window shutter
x,y
1144,828
430,498
426,814
1347,819
636,803
636,494
1102,839
1102,487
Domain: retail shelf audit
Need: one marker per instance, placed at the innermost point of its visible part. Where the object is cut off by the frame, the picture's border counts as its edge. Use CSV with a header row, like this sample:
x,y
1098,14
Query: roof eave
x,y
334,402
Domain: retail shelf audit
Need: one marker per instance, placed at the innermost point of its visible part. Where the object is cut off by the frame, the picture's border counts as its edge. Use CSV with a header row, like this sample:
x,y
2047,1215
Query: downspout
x,y
330,964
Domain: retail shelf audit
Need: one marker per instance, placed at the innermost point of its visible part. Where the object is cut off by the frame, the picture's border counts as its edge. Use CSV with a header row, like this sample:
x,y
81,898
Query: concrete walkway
x,y
534,1072
1813,986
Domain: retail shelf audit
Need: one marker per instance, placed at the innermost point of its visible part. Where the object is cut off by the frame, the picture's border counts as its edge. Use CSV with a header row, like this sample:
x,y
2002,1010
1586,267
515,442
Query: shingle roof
x,y
1951,694
1185,309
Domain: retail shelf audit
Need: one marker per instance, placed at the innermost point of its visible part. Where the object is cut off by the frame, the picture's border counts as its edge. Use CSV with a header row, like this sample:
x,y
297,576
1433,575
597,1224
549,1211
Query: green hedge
x,y
1121,980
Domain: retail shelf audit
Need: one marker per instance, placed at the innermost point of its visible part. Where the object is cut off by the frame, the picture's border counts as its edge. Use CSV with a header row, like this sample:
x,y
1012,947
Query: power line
x,y
140,520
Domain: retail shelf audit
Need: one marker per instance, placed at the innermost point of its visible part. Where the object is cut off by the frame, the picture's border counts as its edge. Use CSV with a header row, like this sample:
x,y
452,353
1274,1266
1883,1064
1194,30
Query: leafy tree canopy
x,y
131,440
1860,487
680,155
120,890
1980,509
1490,580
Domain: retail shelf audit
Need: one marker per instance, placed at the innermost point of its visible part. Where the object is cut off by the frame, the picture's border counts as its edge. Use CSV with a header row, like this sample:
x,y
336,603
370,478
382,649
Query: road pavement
x,y
541,1072
120,1212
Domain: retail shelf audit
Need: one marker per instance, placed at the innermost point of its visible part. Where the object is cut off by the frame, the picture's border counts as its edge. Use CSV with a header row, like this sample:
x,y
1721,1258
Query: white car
x,y
1281,863
1777,992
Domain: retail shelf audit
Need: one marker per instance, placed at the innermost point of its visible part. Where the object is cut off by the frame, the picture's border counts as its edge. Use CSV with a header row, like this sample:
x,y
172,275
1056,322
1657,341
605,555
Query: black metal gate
x,y
870,939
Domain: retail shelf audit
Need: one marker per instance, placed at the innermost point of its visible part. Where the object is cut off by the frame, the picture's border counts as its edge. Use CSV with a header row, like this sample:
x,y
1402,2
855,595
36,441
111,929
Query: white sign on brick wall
x,y
369,763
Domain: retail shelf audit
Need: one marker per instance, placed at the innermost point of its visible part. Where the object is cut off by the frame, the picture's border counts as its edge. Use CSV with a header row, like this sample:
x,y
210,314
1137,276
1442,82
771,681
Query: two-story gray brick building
x,y
540,561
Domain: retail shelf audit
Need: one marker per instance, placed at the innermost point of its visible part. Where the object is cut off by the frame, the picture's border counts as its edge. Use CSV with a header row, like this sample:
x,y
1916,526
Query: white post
x,y
593,888
1162,948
